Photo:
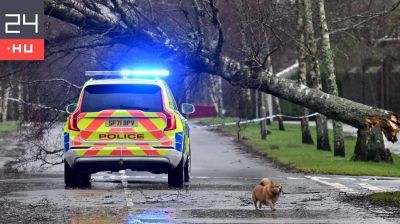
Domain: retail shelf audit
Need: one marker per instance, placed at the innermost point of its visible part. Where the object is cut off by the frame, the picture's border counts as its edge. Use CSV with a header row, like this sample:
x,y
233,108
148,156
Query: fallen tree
x,y
126,23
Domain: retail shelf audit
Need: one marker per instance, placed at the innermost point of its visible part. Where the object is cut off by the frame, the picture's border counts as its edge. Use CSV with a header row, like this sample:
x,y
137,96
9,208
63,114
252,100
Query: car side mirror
x,y
187,108
70,108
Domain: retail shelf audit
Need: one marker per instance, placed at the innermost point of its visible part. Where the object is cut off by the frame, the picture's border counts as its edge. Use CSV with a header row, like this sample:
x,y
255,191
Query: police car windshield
x,y
143,97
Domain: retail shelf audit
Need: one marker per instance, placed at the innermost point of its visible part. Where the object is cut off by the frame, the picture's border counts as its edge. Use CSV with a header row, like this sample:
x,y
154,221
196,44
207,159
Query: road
x,y
219,192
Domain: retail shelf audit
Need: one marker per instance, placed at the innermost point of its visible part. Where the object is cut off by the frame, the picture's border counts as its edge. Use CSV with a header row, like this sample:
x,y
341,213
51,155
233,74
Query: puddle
x,y
152,216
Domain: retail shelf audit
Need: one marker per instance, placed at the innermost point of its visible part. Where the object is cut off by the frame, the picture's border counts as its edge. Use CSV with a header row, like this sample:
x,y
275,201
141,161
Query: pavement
x,y
219,192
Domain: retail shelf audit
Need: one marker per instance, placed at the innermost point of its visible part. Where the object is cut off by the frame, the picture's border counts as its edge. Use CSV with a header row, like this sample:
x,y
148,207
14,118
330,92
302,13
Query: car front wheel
x,y
188,168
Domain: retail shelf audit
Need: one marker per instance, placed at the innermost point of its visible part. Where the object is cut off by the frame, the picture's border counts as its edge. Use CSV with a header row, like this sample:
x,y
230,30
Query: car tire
x,y
70,176
188,168
73,178
176,176
84,180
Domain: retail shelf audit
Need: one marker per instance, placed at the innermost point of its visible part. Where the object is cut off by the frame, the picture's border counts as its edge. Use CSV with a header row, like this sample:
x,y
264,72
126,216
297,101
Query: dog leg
x,y
272,205
255,204
259,205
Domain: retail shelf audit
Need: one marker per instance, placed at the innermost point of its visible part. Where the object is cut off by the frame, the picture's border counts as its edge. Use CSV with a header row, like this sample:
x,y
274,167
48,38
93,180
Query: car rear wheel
x,y
70,176
176,176
73,178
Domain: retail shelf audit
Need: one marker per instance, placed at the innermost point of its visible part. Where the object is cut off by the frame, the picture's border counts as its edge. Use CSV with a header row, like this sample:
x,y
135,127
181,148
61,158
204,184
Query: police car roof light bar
x,y
127,74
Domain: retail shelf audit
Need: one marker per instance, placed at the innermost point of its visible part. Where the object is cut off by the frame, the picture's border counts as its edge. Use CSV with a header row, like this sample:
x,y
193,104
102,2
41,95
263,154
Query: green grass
x,y
286,148
386,197
7,127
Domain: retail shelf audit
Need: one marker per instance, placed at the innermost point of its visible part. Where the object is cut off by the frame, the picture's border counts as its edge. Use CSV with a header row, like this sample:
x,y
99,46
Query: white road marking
x,y
242,178
323,178
127,192
370,187
346,178
296,178
338,186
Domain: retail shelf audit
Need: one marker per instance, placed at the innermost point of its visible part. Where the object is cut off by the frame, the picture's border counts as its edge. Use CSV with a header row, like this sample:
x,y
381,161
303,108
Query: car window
x,y
122,96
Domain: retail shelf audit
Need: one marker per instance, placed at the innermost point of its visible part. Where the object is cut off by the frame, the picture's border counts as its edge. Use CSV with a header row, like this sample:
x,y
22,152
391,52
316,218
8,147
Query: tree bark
x,y
338,108
370,146
275,100
215,93
4,109
245,109
277,106
328,63
21,100
320,120
306,137
262,113
220,98
237,73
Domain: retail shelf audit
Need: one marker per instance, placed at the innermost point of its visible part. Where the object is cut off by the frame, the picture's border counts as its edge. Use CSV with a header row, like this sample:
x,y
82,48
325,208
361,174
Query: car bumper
x,y
155,164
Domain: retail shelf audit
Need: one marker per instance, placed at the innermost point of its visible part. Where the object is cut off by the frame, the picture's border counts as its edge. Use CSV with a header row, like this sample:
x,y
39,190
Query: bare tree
x,y
128,23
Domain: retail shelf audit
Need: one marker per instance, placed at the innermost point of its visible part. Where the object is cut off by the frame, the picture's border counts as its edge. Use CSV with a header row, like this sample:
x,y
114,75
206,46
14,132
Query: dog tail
x,y
265,181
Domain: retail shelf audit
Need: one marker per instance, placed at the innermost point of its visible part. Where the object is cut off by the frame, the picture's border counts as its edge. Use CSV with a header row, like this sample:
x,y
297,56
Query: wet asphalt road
x,y
223,175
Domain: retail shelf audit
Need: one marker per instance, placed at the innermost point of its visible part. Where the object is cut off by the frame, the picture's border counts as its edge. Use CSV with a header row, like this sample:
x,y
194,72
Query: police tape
x,y
260,119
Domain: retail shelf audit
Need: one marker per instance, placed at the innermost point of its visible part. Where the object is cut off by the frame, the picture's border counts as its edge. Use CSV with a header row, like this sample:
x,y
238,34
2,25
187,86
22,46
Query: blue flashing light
x,y
144,73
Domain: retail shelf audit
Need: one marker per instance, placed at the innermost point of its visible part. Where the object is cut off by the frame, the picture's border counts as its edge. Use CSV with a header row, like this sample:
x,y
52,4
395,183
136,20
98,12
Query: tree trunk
x,y
338,139
306,137
211,61
270,109
328,63
320,120
321,124
254,104
275,100
277,106
370,146
220,98
242,106
1,101
4,109
262,113
212,91
216,94
20,104
249,104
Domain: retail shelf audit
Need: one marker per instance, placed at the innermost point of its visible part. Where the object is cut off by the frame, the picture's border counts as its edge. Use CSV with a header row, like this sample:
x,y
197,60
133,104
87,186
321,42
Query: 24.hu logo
x,y
21,30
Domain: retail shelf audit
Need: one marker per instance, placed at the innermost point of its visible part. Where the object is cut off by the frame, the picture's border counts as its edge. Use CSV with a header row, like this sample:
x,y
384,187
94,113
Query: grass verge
x,y
7,127
386,197
286,148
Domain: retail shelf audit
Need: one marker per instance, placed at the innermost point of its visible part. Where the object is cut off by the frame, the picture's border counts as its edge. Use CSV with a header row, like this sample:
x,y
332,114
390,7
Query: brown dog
x,y
266,192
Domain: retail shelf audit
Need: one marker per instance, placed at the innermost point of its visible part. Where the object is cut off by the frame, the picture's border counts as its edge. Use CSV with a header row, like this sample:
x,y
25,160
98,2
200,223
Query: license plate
x,y
121,123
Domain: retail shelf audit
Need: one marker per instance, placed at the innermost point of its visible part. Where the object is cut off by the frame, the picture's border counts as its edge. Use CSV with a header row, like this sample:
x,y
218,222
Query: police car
x,y
122,121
